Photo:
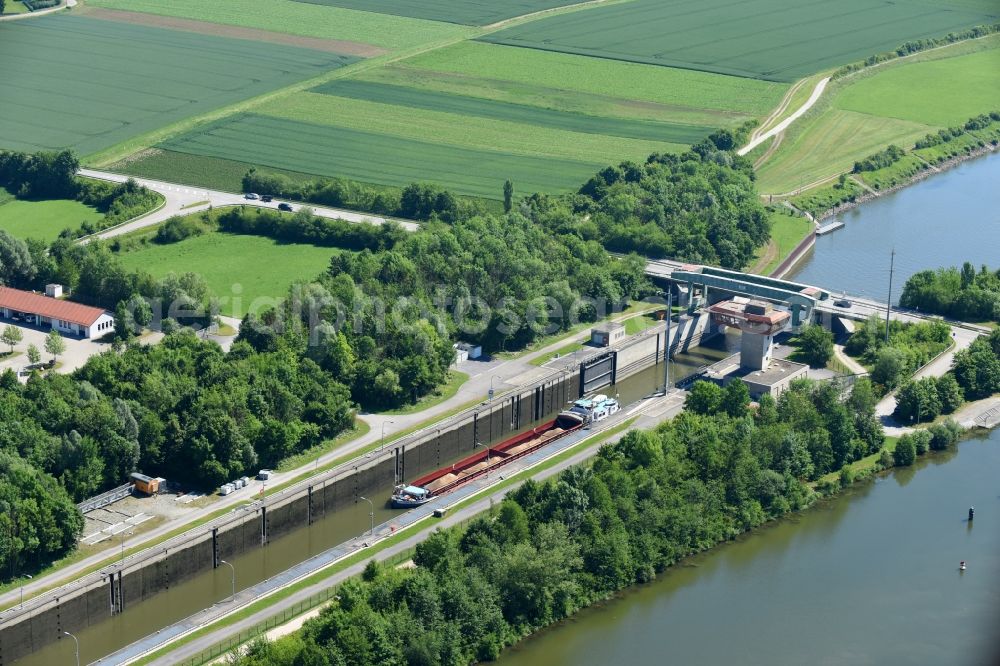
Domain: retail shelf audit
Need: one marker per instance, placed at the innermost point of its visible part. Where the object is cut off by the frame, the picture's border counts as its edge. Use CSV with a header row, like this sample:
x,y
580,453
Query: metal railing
x,y
105,499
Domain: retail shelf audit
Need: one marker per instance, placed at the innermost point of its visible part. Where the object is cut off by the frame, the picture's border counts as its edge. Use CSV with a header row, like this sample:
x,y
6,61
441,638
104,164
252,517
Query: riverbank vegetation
x,y
960,293
552,548
909,347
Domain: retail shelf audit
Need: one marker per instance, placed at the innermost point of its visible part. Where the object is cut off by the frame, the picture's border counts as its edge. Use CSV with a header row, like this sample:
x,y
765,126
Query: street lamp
x,y
77,646
233,570
371,514
487,457
382,444
22,590
491,385
124,534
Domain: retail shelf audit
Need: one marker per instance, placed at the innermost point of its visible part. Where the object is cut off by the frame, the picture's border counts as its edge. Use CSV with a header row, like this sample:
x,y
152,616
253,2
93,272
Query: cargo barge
x,y
446,479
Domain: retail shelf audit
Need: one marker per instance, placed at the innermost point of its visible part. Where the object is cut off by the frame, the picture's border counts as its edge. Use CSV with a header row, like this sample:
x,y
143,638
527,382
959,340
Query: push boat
x,y
597,408
446,479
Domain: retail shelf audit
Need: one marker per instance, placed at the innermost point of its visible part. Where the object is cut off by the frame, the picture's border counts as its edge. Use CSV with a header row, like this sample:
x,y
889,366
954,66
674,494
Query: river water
x,y
869,577
941,221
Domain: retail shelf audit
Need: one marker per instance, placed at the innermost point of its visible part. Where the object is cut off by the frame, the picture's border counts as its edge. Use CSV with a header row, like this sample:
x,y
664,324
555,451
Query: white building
x,y
67,317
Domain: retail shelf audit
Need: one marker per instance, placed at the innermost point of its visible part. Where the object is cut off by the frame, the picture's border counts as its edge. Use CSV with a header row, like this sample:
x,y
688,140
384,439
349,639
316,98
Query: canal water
x,y
215,586
944,220
870,577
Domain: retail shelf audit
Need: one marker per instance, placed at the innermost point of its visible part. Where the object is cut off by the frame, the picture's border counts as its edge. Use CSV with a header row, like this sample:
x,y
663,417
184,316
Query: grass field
x,y
91,101
479,107
787,231
377,158
899,103
297,18
15,7
43,219
767,39
830,143
263,268
569,82
941,92
469,12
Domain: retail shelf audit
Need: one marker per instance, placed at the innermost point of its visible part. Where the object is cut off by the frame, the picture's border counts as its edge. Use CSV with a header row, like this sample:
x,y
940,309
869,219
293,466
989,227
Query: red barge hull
x,y
479,463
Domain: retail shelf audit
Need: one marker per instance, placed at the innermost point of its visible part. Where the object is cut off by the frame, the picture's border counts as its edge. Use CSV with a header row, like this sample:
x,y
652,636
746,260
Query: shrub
x,y
905,452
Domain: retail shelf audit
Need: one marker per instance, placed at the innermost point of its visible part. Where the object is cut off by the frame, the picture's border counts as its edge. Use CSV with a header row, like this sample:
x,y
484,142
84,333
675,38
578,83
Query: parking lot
x,y
76,354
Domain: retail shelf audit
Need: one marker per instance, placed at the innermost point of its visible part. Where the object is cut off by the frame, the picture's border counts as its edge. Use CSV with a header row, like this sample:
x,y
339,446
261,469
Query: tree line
x,y
52,175
960,293
551,548
909,347
416,201
305,227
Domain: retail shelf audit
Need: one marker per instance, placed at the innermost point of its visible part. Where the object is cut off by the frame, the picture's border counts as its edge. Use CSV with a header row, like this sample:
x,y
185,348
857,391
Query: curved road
x,y
187,199
783,125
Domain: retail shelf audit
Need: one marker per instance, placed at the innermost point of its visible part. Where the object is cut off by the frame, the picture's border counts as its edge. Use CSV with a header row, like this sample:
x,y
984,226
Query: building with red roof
x,y
67,317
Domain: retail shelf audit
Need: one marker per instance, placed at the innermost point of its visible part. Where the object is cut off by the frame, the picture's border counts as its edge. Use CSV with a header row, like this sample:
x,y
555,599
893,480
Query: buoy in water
x,y
961,565
972,512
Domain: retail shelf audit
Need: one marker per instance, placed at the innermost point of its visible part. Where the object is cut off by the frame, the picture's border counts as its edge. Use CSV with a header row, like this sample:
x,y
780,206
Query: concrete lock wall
x,y
242,531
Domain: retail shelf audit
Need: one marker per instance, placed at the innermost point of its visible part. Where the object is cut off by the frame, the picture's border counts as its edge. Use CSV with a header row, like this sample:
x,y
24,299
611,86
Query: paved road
x,y
942,364
783,125
187,199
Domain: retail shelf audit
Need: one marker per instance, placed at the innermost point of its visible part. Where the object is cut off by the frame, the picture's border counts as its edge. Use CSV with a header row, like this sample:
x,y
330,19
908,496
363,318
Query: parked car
x,y
285,207
842,303
265,198
251,196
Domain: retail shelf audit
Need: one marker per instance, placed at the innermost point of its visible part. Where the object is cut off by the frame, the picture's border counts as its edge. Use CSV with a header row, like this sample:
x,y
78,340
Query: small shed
x,y
605,335
468,349
145,484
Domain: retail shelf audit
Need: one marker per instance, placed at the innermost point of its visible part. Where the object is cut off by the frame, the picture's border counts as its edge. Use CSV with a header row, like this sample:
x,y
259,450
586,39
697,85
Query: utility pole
x,y
666,344
888,305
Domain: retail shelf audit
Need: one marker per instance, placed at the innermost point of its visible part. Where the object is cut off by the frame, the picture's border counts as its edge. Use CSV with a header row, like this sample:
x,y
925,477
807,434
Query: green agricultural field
x,y
478,107
573,83
377,158
942,92
188,169
297,18
469,12
846,126
461,131
90,101
767,39
43,219
262,268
